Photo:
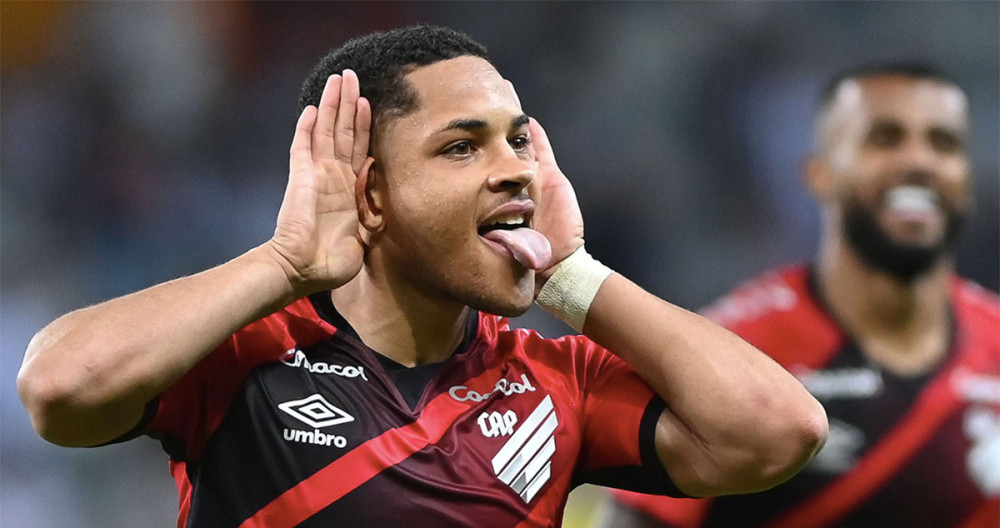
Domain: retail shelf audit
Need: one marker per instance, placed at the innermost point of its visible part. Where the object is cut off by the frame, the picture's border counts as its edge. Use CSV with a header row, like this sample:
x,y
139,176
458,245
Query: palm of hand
x,y
558,216
318,233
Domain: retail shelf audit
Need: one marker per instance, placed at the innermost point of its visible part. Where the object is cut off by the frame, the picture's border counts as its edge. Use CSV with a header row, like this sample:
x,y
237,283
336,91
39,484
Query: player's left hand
x,y
558,214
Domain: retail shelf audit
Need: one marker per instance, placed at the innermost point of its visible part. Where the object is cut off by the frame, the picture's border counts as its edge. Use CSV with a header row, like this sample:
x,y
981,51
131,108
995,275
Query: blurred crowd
x,y
145,141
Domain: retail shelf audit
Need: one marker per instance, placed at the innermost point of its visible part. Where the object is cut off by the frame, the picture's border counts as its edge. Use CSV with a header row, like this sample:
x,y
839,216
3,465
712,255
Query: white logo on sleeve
x,y
525,462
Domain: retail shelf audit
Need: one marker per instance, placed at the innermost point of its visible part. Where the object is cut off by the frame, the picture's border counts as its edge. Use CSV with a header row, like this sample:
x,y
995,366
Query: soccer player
x,y
904,354
357,370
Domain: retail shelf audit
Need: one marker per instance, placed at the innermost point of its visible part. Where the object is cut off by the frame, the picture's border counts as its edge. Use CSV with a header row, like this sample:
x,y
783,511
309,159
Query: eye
x,y
459,149
885,135
945,141
520,143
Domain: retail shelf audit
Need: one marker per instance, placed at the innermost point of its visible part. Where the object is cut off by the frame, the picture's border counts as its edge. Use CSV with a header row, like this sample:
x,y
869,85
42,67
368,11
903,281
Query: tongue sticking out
x,y
529,247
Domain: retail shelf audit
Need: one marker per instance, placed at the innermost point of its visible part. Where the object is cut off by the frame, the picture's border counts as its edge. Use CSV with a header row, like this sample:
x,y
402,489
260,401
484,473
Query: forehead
x,y
460,88
914,102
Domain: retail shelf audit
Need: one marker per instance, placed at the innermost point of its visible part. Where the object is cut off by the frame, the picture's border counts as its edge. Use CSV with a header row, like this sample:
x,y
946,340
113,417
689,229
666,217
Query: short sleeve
x,y
185,416
619,431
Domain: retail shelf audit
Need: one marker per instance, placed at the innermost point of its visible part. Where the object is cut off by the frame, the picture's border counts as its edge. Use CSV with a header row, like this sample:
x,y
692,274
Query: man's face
x,y
895,149
456,177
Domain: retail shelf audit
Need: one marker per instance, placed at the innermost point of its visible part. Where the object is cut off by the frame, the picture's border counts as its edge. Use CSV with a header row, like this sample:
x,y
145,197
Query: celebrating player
x,y
904,354
356,369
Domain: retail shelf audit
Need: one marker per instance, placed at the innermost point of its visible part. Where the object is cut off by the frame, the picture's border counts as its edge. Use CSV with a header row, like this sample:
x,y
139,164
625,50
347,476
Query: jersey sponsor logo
x,y
505,387
496,424
297,358
840,383
315,437
758,298
525,461
318,413
976,387
981,426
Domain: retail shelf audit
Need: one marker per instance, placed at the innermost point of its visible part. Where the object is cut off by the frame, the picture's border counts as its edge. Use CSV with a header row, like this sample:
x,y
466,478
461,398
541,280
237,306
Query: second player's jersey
x,y
294,421
902,451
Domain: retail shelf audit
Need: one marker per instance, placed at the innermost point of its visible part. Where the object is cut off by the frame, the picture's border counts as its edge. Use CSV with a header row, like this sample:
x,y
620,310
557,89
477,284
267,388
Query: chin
x,y
511,303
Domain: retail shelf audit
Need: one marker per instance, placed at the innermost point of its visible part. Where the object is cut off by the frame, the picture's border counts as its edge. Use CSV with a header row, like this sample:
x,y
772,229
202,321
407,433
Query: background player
x,y
361,318
904,355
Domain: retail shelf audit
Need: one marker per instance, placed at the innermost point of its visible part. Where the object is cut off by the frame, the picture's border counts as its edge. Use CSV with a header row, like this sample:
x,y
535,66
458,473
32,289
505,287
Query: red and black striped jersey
x,y
902,451
293,421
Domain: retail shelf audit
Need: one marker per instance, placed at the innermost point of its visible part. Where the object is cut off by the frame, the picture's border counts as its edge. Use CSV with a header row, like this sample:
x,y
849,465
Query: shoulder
x,y
569,355
765,296
297,324
977,314
975,300
779,313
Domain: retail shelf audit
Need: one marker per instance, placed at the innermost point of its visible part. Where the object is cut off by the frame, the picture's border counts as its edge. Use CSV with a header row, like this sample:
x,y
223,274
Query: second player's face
x,y
458,167
897,148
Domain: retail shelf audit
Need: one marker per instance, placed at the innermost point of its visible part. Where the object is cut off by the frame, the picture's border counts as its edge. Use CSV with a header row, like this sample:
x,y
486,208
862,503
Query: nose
x,y
511,172
918,155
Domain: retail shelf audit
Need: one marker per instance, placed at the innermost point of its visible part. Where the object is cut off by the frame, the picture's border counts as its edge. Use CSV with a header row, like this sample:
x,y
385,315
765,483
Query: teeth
x,y
912,199
514,219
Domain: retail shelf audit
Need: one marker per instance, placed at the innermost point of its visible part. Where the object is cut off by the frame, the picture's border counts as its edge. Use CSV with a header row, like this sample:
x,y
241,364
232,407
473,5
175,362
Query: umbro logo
x,y
316,412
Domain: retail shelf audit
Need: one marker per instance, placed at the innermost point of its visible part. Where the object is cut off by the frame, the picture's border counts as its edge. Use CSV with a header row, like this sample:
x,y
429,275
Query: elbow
x,y
42,397
795,442
51,397
785,445
807,436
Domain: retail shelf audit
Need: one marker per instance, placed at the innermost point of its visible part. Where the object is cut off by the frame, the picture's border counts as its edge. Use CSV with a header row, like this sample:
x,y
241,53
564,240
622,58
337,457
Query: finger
x,y
543,149
300,153
343,137
362,134
329,102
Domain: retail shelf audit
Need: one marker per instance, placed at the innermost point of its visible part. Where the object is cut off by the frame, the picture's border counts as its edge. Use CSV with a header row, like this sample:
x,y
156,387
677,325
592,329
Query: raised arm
x,y
88,376
736,421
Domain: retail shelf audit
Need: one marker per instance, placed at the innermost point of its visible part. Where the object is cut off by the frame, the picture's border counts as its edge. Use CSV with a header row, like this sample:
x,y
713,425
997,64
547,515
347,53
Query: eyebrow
x,y
472,125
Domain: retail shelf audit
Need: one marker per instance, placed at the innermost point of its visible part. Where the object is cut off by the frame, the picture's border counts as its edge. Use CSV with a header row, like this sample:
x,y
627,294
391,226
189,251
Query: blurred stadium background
x,y
145,141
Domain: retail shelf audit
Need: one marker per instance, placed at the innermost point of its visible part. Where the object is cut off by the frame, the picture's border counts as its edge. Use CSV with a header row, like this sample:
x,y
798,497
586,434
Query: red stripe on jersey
x,y
934,406
987,516
364,462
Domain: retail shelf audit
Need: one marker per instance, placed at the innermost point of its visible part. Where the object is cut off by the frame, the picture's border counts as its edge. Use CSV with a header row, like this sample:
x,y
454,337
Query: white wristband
x,y
570,291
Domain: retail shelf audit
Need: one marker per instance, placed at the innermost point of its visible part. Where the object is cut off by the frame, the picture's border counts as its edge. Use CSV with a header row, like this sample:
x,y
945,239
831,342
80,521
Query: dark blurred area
x,y
146,141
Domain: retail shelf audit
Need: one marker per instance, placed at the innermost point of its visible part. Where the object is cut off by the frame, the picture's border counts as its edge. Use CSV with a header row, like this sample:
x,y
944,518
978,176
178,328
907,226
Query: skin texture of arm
x,y
736,422
88,376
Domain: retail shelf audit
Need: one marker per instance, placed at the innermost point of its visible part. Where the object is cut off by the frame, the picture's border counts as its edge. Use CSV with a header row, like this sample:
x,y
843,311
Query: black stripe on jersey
x,y
651,476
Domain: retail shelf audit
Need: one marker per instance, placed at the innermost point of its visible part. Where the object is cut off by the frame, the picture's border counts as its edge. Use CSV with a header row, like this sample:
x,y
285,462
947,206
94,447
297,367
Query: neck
x,y
397,320
902,325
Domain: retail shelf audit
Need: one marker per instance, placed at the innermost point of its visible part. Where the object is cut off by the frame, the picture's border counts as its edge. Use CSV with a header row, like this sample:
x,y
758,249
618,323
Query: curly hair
x,y
382,60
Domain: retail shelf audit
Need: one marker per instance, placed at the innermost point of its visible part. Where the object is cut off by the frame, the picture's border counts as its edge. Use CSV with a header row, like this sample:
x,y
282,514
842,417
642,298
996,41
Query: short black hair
x,y
382,59
912,69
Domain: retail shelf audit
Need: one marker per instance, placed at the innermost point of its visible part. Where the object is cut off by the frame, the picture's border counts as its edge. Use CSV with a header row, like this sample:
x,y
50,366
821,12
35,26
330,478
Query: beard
x,y
902,261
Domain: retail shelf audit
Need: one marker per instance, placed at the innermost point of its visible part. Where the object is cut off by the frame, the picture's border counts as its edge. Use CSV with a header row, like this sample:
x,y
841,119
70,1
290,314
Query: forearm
x,y
737,421
87,377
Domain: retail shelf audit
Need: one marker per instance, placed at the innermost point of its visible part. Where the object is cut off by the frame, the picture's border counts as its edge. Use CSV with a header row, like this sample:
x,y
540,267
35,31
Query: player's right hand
x,y
317,239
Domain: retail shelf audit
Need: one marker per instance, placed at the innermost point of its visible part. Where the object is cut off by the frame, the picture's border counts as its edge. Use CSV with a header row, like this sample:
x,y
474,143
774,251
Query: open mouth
x,y
912,199
509,231
508,222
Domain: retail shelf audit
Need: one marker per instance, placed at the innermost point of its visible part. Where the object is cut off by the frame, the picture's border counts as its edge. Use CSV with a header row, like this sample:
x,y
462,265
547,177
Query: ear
x,y
368,194
818,178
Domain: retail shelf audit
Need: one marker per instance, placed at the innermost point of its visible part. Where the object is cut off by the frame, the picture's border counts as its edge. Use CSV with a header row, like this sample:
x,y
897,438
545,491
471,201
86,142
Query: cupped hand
x,y
558,215
317,239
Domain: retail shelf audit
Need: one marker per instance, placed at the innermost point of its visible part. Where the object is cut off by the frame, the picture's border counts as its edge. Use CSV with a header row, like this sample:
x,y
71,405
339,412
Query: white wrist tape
x,y
570,291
